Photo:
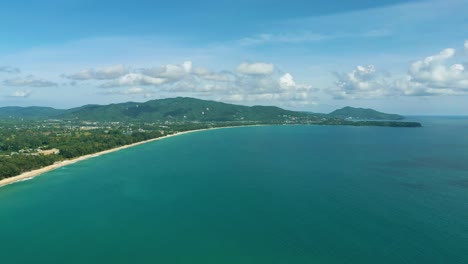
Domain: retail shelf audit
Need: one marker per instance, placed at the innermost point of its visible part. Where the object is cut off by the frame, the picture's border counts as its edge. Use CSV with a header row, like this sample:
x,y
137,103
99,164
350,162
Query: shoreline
x,y
29,175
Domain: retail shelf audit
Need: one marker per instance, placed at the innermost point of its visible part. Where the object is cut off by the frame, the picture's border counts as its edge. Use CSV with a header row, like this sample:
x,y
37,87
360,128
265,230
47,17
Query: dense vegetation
x,y
18,164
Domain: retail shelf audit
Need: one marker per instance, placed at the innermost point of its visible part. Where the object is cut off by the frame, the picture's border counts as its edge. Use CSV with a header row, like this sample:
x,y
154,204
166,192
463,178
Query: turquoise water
x,y
284,194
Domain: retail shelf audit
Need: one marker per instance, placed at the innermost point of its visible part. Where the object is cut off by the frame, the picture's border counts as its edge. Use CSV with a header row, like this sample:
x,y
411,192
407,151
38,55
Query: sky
x,y
399,56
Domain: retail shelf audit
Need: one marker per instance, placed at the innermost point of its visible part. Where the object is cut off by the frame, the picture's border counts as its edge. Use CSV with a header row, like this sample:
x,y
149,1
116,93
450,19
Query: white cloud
x,y
436,75
257,68
201,71
425,68
118,75
287,81
223,76
9,69
230,86
219,77
362,82
170,71
21,94
134,90
29,80
268,89
105,73
466,45
133,79
251,81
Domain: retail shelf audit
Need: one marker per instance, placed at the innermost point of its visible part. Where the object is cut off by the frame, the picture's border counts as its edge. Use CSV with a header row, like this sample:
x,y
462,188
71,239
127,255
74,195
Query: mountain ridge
x,y
184,109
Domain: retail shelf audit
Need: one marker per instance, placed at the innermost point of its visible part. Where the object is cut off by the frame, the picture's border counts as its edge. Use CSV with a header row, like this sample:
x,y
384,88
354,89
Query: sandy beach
x,y
34,173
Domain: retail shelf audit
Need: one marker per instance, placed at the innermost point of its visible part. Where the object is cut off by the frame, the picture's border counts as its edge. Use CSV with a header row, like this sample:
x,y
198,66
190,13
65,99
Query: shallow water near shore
x,y
279,194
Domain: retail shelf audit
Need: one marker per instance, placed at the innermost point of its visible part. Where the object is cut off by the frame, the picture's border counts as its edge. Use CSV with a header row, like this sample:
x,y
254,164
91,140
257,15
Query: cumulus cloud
x,y
234,87
466,45
21,94
201,71
439,74
362,82
134,90
170,71
30,81
250,82
134,79
105,73
287,81
435,75
257,68
269,88
9,69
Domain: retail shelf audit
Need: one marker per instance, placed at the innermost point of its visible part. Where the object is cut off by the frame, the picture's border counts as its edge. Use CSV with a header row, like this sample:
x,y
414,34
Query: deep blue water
x,y
279,194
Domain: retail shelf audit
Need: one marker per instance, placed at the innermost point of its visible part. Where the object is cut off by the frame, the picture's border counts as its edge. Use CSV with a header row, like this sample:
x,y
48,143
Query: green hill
x,y
177,109
32,112
190,109
363,114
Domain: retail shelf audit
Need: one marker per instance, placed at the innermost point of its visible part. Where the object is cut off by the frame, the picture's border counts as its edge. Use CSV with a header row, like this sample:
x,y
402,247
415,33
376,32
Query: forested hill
x,y
188,109
363,114
32,112
174,109
178,109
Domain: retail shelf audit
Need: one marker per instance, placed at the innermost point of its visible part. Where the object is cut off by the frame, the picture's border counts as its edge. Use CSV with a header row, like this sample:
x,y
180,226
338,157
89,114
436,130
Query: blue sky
x,y
408,57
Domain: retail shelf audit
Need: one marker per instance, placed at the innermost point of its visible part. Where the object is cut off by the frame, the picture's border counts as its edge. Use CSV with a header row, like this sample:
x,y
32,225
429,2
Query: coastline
x,y
29,175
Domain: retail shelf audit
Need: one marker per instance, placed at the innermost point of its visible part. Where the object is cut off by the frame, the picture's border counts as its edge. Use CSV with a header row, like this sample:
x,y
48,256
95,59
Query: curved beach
x,y
34,173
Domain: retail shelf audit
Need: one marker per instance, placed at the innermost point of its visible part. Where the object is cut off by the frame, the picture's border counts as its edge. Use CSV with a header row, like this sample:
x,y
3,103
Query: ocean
x,y
272,194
